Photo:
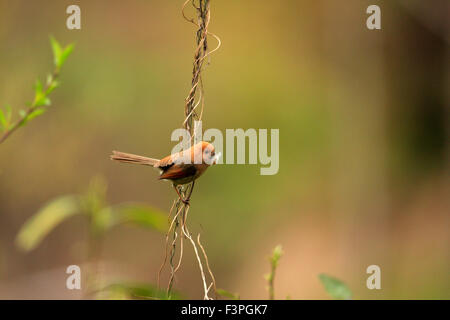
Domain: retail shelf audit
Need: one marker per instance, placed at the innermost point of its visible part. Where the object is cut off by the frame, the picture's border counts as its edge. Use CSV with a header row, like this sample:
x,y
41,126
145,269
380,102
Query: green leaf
x,y
59,54
5,118
51,86
102,220
335,288
141,215
57,51
28,116
276,255
38,87
122,291
227,294
45,220
22,113
35,113
42,101
66,53
40,97
132,213
3,123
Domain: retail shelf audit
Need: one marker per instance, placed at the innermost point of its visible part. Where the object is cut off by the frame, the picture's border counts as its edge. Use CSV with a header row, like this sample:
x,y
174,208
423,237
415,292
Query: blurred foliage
x,y
126,291
93,206
45,220
228,294
41,94
101,217
270,277
141,215
5,118
60,54
335,288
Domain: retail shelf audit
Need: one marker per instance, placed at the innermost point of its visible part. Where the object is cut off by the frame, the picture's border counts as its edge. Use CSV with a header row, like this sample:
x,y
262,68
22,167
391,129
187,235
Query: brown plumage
x,y
180,168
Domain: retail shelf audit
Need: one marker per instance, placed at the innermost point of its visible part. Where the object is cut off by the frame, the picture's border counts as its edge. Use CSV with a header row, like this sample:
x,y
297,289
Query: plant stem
x,y
30,110
274,259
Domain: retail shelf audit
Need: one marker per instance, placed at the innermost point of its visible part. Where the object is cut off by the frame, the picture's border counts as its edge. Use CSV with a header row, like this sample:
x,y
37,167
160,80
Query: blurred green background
x,y
364,153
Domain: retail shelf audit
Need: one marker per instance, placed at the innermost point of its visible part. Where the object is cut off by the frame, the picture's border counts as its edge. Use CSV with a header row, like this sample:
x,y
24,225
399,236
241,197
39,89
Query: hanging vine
x,y
178,229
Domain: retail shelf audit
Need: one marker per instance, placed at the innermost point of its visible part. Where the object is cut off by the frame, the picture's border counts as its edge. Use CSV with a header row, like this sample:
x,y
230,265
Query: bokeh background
x,y
364,153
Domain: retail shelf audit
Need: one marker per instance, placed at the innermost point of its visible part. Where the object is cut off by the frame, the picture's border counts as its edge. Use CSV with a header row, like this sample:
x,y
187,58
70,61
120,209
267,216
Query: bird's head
x,y
209,154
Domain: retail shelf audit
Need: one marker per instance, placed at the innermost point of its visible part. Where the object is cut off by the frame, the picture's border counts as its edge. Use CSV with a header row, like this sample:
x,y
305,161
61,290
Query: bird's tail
x,y
132,158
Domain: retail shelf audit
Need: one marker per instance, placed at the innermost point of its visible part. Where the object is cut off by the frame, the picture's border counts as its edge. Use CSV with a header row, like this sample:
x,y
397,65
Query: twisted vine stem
x,y
178,223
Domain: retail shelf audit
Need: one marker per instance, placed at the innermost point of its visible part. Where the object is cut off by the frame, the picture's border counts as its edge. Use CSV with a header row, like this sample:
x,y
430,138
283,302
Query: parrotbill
x,y
179,168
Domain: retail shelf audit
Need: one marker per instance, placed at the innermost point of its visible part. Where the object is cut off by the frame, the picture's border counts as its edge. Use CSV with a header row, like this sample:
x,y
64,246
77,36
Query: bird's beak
x,y
216,158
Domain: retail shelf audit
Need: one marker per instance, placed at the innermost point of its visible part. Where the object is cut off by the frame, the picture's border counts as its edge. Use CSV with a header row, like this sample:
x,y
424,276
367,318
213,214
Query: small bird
x,y
179,168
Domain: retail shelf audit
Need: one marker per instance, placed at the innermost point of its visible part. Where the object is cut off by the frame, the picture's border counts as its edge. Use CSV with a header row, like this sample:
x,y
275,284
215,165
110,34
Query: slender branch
x,y
41,101
30,110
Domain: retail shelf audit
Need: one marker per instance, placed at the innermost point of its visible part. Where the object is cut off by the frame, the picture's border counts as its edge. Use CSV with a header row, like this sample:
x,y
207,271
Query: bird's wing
x,y
165,163
178,172
176,158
